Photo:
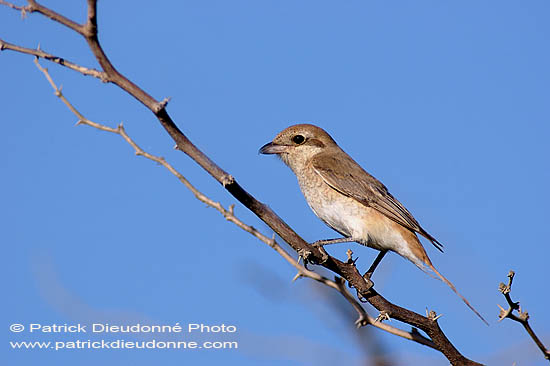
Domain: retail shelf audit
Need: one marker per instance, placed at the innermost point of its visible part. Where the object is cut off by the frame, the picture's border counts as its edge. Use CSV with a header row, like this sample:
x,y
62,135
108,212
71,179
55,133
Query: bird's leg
x,y
320,243
376,262
373,266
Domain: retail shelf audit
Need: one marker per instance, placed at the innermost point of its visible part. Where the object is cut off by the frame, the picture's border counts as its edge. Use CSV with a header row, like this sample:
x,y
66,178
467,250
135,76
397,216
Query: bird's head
x,y
297,144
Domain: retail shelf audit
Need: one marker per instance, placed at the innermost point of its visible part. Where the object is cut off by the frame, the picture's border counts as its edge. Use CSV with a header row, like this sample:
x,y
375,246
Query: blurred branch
x,y
522,317
13,6
311,254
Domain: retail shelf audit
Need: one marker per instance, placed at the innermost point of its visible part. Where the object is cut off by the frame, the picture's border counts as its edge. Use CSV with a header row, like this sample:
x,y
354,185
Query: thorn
x,y
501,314
361,321
227,179
161,105
382,316
349,253
523,315
272,244
298,275
165,101
432,315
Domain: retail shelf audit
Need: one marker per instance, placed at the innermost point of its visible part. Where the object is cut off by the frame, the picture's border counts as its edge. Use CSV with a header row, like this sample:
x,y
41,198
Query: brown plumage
x,y
341,174
350,200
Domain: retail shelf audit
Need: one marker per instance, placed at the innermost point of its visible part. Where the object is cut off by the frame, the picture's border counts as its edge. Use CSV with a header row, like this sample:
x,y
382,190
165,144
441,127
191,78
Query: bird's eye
x,y
298,139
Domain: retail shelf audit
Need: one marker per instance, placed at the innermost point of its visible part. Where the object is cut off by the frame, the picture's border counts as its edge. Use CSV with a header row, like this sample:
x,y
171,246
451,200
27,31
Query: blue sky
x,y
444,102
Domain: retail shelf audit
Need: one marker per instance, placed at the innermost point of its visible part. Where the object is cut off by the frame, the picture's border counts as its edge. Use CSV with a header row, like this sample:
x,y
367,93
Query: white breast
x,y
341,213
352,219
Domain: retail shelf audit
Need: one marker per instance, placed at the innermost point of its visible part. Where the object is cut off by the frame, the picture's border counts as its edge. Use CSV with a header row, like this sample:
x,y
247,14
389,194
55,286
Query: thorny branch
x,y
228,214
522,317
347,270
58,60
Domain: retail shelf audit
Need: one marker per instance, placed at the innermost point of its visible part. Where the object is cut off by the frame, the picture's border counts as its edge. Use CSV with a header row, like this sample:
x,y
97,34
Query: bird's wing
x,y
344,175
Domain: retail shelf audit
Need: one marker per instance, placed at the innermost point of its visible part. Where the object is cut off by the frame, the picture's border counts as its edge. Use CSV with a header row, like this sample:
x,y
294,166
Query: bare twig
x,y
522,317
33,6
13,6
58,60
262,211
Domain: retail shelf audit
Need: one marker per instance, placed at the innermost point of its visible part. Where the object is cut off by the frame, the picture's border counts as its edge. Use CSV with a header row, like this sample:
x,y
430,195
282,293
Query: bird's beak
x,y
272,148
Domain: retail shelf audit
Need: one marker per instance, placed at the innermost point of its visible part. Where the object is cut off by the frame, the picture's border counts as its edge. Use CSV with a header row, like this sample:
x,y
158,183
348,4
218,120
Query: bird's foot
x,y
319,245
324,255
369,284
368,280
304,254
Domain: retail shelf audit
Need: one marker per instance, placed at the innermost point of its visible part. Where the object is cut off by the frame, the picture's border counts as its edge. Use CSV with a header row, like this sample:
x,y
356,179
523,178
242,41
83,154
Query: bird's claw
x,y
305,254
324,255
369,285
367,279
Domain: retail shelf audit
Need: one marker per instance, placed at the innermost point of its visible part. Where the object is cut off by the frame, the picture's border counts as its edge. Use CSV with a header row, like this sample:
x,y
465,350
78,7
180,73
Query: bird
x,y
350,200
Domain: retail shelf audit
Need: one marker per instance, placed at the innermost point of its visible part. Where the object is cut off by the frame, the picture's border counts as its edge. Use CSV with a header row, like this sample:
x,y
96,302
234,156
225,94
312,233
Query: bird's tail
x,y
442,278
